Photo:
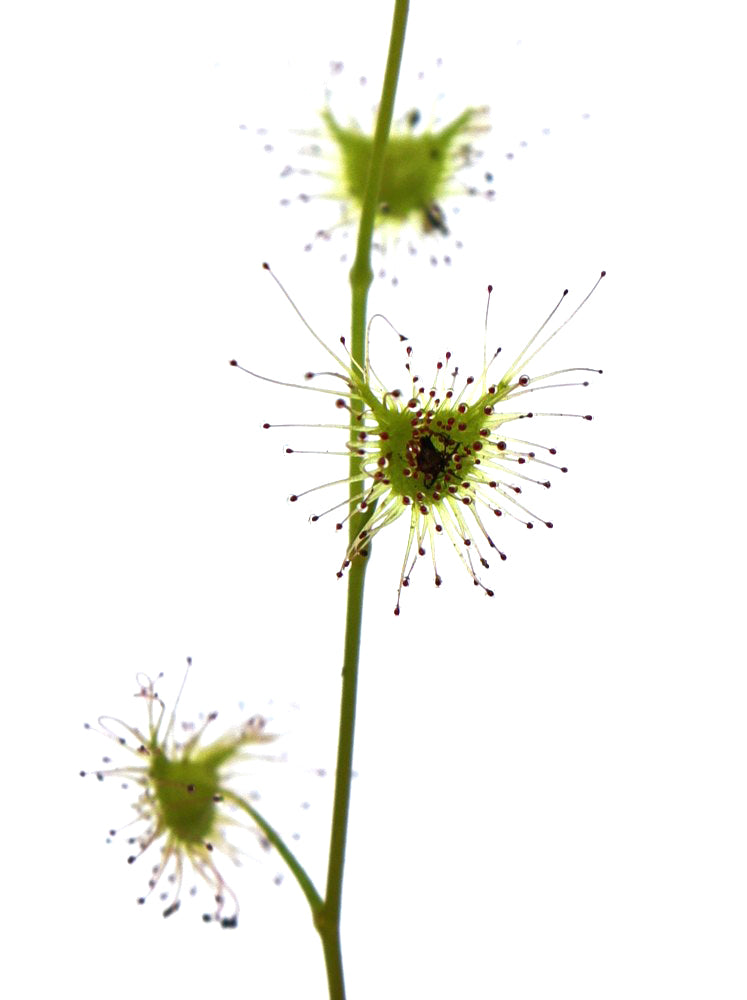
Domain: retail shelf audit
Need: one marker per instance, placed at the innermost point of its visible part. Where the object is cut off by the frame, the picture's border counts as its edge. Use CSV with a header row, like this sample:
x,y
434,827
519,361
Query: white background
x,y
551,790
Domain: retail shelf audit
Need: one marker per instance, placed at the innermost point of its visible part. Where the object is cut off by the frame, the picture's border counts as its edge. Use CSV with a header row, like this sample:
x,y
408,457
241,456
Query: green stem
x,y
361,276
361,273
307,886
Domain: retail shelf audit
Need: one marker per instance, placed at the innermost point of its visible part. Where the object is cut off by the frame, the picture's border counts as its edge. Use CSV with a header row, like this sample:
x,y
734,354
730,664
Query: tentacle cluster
x,y
441,454
429,163
182,804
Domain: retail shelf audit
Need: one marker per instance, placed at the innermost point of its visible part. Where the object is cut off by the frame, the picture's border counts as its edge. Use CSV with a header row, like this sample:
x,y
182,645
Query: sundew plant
x,y
455,451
